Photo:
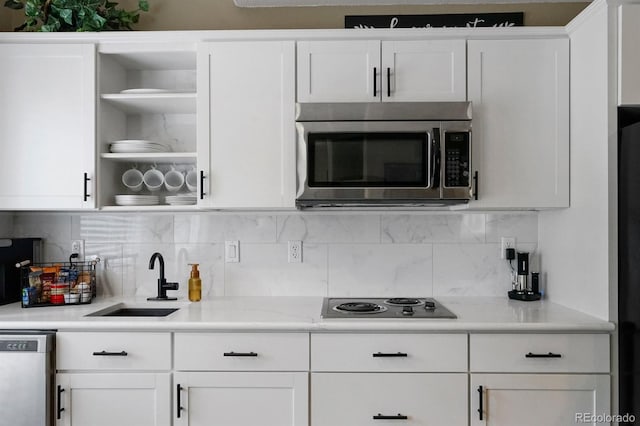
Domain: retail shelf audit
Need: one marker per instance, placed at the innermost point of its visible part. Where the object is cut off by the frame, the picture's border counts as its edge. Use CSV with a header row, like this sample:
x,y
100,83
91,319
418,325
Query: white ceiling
x,y
276,3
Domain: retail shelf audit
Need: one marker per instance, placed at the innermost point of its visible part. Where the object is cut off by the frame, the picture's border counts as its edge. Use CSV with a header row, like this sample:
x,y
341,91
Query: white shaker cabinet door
x,y
534,400
110,399
425,70
241,399
519,90
246,131
339,71
415,399
47,126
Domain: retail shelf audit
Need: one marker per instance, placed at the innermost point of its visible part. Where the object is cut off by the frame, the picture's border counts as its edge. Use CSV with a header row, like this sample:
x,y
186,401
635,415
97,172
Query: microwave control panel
x,y
457,164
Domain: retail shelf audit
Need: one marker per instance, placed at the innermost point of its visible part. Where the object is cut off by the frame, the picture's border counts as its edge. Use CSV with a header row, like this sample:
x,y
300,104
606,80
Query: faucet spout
x,y
160,259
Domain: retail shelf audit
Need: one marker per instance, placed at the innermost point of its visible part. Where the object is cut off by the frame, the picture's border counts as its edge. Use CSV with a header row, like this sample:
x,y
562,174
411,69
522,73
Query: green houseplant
x,y
76,15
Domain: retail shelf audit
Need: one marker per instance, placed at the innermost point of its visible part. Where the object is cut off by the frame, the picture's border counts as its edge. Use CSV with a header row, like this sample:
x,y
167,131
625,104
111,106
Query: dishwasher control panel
x,y
18,346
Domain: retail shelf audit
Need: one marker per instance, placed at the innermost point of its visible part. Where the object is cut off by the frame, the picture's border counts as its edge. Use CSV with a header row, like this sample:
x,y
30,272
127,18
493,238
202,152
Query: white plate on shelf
x,y
144,91
137,200
133,145
181,200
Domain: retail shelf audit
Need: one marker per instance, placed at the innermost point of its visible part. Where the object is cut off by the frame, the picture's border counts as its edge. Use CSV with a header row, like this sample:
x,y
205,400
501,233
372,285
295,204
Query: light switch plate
x,y
232,251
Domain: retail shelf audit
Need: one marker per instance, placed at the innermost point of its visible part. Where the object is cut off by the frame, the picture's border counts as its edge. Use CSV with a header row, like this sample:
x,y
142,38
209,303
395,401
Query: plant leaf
x,y
13,4
31,9
67,16
143,5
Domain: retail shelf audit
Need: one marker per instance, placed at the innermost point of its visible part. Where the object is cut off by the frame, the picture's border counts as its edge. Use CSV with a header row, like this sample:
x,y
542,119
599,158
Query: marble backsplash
x,y
344,254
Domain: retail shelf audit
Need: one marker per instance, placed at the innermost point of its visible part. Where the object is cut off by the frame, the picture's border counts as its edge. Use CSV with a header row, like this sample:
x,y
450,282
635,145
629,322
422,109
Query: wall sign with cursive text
x,y
452,20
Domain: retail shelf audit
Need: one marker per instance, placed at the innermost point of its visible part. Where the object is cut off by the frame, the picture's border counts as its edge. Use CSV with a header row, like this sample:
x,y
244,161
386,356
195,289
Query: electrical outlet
x,y
295,252
506,242
77,246
232,251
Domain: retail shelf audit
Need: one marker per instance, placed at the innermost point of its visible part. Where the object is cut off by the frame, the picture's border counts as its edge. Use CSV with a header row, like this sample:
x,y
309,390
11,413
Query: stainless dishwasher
x,y
26,378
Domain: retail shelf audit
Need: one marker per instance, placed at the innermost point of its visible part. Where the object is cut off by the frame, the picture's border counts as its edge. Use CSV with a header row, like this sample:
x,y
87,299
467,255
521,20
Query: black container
x,y
13,251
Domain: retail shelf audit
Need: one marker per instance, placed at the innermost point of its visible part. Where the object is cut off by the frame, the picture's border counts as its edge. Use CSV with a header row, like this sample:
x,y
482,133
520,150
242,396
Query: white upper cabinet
x,y
146,120
47,126
629,60
519,90
246,140
432,70
388,71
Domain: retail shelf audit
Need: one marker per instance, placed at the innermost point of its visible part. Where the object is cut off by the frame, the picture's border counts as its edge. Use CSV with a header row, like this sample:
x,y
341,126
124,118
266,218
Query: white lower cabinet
x,y
389,378
109,399
113,378
241,399
538,379
241,379
534,400
358,399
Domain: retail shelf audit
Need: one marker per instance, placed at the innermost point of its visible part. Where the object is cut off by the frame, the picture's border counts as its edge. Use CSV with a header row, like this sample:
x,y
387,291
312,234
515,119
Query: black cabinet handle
x,y
179,404
549,355
86,186
396,417
375,82
202,178
389,355
388,82
105,353
59,408
475,185
240,354
480,402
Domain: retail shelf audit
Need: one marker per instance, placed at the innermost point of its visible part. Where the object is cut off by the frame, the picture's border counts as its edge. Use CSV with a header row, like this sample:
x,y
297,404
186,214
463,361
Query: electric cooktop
x,y
390,307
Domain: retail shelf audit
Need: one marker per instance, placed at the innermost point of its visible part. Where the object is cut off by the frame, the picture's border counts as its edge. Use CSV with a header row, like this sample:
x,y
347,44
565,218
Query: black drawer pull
x,y
549,355
202,178
179,407
240,354
396,417
59,405
105,353
375,82
86,187
480,402
387,355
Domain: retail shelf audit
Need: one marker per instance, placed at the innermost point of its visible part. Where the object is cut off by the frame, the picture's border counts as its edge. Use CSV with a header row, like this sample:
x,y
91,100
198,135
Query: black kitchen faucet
x,y
163,285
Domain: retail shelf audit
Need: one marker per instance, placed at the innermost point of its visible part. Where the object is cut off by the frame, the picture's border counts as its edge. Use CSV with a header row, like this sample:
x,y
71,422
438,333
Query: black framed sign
x,y
451,20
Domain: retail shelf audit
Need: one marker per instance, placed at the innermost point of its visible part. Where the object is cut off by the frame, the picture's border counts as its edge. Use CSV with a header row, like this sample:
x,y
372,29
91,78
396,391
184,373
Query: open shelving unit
x,y
166,115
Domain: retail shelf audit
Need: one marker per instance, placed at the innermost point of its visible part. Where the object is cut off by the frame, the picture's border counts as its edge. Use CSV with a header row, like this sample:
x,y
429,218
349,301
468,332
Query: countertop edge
x,y
605,327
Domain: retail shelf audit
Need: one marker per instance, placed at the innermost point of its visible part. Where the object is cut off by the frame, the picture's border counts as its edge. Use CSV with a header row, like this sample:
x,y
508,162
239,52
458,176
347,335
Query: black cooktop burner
x,y
404,301
387,307
359,308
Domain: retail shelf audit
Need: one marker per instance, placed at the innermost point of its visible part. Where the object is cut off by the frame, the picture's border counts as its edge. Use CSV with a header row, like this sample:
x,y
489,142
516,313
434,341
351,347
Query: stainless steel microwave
x,y
384,154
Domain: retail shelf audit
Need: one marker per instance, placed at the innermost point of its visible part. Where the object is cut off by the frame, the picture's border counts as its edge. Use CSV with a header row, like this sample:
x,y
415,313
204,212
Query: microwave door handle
x,y
434,159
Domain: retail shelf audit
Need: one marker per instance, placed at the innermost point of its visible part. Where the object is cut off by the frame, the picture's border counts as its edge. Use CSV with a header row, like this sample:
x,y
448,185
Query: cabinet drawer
x,y
389,352
533,353
358,399
113,351
242,351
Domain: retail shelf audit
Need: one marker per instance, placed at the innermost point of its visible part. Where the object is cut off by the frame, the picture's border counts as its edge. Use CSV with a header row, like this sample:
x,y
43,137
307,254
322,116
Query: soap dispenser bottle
x,y
195,284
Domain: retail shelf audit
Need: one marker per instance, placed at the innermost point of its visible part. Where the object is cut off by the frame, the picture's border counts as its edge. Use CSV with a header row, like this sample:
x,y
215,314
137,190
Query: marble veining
x,y
329,229
379,270
433,228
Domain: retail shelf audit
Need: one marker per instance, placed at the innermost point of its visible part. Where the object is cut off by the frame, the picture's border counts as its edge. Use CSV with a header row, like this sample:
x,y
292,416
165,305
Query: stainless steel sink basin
x,y
122,310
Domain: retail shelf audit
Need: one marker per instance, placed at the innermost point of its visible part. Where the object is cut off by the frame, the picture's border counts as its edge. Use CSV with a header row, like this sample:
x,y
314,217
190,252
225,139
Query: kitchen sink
x,y
122,310
138,312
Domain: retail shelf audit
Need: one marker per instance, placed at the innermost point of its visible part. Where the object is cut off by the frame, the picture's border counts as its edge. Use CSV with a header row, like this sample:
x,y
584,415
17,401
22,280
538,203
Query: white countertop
x,y
478,314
